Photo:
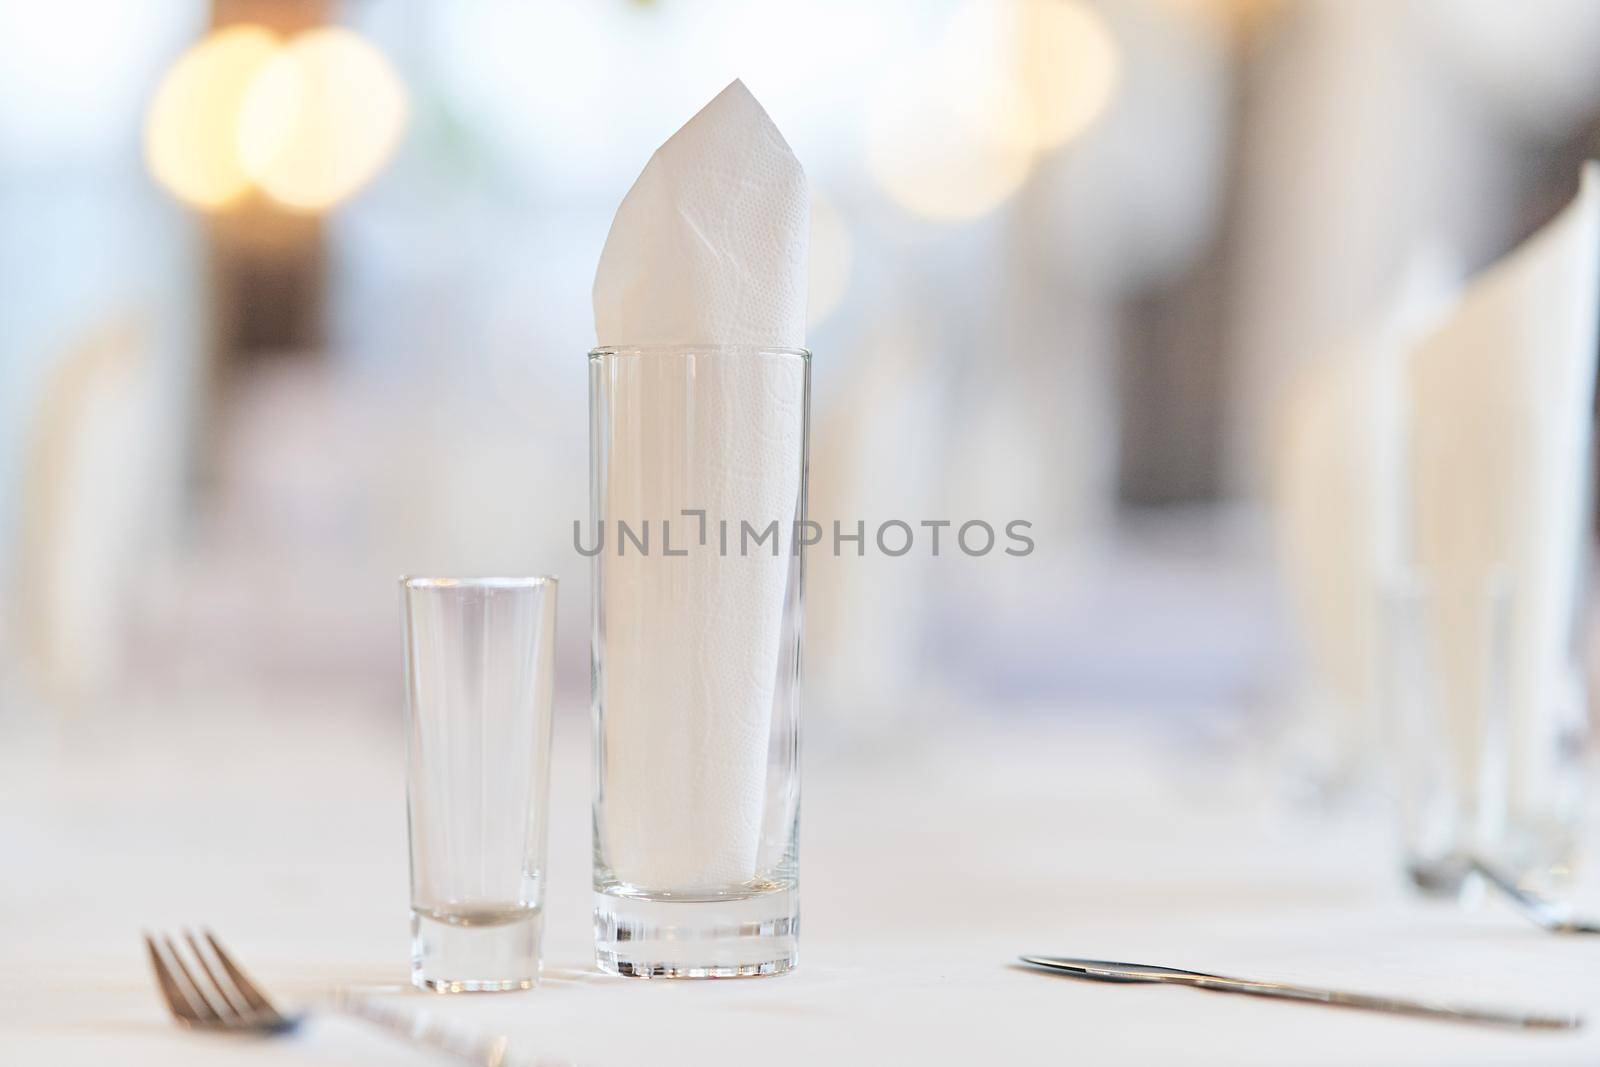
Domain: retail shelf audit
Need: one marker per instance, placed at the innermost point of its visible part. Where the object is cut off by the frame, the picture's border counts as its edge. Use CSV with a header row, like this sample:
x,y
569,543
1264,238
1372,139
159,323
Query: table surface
x,y
930,859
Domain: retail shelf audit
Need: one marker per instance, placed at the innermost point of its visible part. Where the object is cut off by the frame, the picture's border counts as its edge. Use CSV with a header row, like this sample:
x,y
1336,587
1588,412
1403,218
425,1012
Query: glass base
x,y
735,937
1540,862
458,954
1447,878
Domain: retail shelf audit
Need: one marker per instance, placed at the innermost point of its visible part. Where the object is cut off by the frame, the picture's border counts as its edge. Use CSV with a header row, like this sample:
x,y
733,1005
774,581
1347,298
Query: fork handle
x,y
427,1030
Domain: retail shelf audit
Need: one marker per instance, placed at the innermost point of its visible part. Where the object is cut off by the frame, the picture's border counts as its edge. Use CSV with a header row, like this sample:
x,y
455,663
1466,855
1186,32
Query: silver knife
x,y
1106,971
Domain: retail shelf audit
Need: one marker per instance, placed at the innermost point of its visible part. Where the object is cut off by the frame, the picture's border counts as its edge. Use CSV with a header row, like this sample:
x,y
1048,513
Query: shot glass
x,y
698,485
479,663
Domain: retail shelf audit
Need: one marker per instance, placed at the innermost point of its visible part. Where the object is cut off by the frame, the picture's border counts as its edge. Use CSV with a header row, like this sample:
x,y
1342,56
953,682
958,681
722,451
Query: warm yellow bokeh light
x,y
933,165
1041,70
953,135
320,119
832,252
191,128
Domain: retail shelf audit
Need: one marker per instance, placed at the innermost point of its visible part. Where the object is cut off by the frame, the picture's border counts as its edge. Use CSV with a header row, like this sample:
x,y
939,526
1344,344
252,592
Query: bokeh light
x,y
191,128
308,122
1049,69
320,119
954,134
932,165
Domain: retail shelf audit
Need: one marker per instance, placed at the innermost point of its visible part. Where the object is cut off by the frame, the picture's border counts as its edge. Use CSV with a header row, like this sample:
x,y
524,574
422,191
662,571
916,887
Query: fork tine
x,y
177,1001
247,989
214,1012
226,989
183,1004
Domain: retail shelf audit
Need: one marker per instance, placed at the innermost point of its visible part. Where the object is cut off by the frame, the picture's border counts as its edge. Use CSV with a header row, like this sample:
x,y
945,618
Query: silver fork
x,y
216,995
224,1001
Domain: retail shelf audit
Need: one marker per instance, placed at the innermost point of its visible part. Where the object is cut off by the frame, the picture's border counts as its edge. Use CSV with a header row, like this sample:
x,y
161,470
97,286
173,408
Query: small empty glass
x,y
479,662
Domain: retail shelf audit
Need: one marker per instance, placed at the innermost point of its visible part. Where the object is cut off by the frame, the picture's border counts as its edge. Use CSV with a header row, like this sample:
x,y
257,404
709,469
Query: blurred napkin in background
x,y
1502,396
1340,510
709,247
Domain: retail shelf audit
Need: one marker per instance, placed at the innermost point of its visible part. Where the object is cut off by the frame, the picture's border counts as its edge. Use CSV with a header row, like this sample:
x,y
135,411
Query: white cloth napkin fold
x,y
708,248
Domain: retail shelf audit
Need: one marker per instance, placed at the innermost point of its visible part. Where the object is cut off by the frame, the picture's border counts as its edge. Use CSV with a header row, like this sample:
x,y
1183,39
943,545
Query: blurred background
x,y
294,298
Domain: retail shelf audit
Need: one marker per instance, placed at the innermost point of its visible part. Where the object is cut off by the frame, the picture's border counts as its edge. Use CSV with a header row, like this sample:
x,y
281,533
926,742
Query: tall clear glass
x,y
698,518
479,660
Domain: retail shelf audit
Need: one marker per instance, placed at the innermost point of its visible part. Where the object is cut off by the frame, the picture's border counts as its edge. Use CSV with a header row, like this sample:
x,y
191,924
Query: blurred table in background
x,y
928,865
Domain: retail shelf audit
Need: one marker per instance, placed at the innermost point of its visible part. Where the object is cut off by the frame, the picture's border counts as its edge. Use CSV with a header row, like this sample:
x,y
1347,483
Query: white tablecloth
x,y
927,866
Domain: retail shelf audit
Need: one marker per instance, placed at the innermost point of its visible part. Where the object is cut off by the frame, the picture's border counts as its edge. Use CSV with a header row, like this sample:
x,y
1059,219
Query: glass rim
x,y
531,581
601,351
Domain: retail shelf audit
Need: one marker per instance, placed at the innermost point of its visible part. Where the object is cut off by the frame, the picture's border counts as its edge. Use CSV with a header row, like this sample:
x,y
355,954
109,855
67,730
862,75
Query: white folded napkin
x,y
708,248
1501,436
1333,492
1341,507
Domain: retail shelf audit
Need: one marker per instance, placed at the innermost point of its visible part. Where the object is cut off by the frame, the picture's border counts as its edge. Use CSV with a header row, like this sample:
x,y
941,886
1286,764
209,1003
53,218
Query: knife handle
x,y
1392,1005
